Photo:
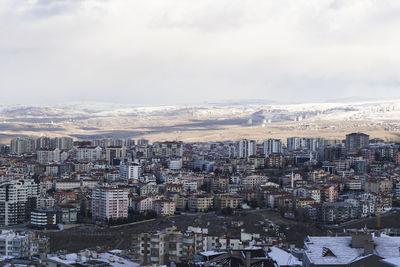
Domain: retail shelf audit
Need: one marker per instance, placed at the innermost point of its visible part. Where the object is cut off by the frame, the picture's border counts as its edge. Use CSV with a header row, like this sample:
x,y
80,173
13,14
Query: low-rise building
x,y
200,203
164,207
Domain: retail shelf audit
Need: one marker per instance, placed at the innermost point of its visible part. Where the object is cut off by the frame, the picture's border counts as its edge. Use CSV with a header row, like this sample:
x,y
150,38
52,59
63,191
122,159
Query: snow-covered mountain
x,y
378,110
105,119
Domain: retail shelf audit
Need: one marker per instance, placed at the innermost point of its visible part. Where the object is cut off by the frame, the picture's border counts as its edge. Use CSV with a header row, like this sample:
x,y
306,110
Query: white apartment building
x,y
89,183
190,185
89,154
14,245
142,204
315,194
22,145
272,146
130,171
254,180
247,148
175,164
46,155
110,203
67,184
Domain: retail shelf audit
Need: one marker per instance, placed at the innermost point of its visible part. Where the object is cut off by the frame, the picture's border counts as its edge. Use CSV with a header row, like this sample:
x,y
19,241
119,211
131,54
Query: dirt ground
x,y
90,236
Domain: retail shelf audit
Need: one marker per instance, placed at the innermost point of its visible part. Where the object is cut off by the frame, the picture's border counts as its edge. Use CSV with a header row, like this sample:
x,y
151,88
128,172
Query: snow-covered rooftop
x,y
105,257
393,261
211,253
283,258
385,247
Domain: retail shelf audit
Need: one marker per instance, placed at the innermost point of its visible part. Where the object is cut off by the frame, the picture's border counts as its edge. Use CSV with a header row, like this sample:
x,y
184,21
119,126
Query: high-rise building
x,y
21,145
247,148
115,152
312,143
142,142
356,141
130,170
272,146
109,203
43,142
17,199
295,143
64,143
4,149
129,143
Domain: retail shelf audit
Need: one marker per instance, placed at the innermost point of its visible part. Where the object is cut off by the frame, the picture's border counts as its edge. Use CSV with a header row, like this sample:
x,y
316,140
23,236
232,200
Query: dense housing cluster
x,y
50,182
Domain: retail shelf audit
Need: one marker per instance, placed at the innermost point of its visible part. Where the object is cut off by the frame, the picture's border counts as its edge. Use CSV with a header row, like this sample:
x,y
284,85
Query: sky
x,y
189,51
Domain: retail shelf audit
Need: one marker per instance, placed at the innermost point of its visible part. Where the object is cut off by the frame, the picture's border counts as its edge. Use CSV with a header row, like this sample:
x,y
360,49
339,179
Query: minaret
x,y
292,178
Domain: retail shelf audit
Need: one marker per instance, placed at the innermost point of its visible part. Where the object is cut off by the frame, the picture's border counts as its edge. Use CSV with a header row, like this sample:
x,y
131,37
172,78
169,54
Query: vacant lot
x,y
78,238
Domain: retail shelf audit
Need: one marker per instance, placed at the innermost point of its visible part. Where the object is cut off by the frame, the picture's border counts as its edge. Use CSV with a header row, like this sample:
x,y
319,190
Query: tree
x,y
227,211
254,204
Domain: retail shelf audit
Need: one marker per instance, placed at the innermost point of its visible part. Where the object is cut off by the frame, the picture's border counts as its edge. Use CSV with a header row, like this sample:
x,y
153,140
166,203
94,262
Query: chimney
x,y
369,248
358,240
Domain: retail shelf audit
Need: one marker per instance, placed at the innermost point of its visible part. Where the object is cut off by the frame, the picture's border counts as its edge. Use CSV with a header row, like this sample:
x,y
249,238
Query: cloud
x,y
165,51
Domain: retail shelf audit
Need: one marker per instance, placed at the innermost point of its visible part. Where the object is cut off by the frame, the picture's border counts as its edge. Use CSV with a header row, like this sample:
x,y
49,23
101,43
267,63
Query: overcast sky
x,y
186,51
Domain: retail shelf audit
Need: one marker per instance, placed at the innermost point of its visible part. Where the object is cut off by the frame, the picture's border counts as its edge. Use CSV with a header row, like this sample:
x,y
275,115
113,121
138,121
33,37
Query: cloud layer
x,y
184,51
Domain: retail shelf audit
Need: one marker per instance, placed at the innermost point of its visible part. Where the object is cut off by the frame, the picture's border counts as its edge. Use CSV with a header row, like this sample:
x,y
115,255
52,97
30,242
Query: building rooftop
x,y
338,250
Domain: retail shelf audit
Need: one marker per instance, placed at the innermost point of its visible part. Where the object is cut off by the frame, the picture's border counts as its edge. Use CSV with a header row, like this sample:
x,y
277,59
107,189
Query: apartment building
x,y
22,145
17,199
115,152
142,204
175,164
168,245
130,170
337,212
164,207
275,161
89,154
109,203
247,148
272,146
330,194
167,149
67,184
149,189
356,141
43,219
222,201
22,245
200,203
46,155
254,180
